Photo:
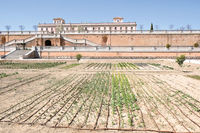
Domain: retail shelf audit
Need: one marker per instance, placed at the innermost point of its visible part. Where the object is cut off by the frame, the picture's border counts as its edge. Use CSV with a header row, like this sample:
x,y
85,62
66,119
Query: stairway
x,y
74,41
20,41
17,54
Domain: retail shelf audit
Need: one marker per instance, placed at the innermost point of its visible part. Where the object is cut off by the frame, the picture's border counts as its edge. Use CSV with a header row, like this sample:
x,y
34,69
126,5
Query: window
x,y
115,28
99,28
93,28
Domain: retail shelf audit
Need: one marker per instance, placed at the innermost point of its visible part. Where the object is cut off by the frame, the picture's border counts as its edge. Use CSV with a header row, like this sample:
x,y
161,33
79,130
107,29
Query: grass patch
x,y
70,66
194,76
154,64
10,65
2,75
171,68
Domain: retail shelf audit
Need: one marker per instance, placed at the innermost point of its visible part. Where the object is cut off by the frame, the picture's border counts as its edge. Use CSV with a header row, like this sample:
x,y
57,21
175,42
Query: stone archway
x,y
47,43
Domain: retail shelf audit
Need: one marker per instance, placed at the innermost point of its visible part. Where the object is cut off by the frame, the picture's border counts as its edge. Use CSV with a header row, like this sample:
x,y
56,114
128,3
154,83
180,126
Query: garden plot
x,y
126,66
165,105
114,98
19,90
21,82
88,101
10,65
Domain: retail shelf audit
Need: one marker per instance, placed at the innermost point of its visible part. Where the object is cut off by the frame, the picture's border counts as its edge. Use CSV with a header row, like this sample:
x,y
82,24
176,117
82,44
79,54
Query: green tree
x,y
151,29
78,57
180,59
196,45
168,46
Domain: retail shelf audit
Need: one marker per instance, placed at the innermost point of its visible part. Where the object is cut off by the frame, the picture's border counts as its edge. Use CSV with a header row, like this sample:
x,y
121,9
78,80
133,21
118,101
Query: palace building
x,y
117,39
59,25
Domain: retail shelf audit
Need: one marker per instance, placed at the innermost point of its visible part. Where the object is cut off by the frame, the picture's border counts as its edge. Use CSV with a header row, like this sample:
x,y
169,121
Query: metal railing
x,y
121,48
103,32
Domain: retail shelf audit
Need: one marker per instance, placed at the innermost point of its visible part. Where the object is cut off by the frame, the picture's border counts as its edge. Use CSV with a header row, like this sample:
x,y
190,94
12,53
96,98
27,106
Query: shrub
x,y
168,46
196,45
78,57
180,60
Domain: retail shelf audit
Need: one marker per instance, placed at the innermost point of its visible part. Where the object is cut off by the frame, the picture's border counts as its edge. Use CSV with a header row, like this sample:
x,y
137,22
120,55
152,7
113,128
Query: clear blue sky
x,y
143,12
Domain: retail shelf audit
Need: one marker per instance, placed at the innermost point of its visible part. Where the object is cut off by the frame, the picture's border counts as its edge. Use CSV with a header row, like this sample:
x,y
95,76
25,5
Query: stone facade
x,y
59,25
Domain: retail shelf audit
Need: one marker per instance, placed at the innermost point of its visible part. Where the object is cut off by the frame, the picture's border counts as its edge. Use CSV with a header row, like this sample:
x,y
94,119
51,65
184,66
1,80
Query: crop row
x,y
86,101
126,66
48,92
70,66
15,85
110,66
10,65
123,98
166,105
2,75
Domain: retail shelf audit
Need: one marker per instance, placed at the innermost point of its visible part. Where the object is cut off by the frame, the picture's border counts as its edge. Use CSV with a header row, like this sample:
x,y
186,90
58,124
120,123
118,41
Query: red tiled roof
x,y
58,19
92,24
118,18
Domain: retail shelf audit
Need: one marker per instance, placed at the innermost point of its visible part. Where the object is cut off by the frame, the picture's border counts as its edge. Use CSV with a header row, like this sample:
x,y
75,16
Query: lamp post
x,y
8,30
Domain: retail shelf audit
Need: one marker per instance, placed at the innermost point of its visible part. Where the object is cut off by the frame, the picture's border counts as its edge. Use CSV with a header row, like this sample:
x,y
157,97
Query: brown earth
x,y
36,100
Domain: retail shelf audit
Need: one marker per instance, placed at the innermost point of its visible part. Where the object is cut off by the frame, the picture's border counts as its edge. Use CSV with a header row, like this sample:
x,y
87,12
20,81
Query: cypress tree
x,y
151,29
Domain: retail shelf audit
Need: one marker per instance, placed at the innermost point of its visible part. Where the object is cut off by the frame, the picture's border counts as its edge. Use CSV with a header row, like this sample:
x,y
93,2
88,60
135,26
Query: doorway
x,y
47,43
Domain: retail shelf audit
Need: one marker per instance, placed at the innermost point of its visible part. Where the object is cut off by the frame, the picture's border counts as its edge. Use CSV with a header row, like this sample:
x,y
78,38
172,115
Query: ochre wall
x,y
2,52
15,37
121,40
116,54
143,39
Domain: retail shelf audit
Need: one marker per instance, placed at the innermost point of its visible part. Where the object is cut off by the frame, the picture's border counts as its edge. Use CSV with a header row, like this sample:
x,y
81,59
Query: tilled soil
x,y
80,99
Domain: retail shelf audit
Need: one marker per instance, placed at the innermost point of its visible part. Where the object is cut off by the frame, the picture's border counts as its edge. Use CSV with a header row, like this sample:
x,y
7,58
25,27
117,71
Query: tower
x,y
58,21
118,19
